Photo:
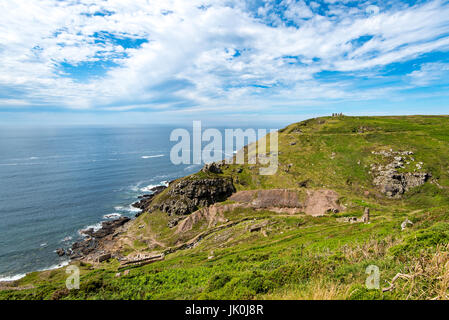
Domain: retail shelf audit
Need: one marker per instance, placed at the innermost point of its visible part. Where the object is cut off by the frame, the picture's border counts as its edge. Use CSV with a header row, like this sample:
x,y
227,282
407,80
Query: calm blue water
x,y
54,182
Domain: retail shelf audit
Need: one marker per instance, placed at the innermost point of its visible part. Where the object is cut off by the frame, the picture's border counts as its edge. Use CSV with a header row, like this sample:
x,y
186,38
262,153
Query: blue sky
x,y
229,61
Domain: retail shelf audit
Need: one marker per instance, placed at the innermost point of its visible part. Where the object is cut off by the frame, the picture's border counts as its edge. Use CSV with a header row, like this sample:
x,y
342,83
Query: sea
x,y
57,181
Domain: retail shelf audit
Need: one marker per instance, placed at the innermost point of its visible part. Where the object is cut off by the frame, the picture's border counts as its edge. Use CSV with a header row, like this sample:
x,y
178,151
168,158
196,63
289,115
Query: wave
x,y
14,277
66,239
136,187
36,158
56,266
148,188
156,156
129,208
151,186
192,167
21,275
95,227
112,215
136,152
22,164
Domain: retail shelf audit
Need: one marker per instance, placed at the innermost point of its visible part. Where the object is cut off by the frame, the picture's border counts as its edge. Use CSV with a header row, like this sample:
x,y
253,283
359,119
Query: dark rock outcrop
x,y
394,184
146,199
174,222
83,248
213,168
107,228
187,195
158,189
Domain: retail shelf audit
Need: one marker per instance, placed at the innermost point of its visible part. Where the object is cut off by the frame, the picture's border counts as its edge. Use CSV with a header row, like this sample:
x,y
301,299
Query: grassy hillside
x,y
297,256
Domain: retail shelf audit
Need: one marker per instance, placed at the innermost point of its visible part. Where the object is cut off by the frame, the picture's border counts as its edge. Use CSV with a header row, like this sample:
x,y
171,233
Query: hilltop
x,y
349,192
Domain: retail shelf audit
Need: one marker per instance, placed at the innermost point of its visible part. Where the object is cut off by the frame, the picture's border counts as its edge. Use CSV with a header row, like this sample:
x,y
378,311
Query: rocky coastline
x,y
93,245
184,197
94,238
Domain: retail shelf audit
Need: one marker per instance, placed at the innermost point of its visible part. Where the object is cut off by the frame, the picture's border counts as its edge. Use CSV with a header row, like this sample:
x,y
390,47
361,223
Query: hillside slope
x,y
229,233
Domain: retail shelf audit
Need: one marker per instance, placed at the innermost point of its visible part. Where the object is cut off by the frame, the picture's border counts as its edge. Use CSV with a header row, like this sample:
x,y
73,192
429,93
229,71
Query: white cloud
x,y
226,55
430,73
296,10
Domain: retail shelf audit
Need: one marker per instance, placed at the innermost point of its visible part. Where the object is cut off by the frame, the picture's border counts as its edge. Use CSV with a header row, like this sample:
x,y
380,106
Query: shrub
x,y
218,281
360,292
292,273
60,293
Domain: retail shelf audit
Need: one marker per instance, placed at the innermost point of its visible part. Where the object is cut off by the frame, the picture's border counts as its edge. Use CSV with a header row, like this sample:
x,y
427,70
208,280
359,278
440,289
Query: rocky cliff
x,y
187,195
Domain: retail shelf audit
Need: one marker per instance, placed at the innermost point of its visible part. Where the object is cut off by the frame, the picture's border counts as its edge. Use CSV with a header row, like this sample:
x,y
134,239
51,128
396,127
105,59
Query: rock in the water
x,y
107,228
60,252
158,189
83,248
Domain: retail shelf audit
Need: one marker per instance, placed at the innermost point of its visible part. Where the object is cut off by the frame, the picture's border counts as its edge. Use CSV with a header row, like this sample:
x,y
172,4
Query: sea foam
x,y
112,215
95,227
151,186
13,278
21,275
156,156
129,208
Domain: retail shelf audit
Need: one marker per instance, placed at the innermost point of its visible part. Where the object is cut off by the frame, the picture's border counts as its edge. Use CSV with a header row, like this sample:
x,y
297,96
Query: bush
x,y
292,273
218,281
60,293
91,286
258,283
360,292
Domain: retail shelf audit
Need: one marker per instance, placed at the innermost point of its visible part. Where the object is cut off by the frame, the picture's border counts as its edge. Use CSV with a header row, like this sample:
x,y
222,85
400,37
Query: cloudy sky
x,y
142,61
